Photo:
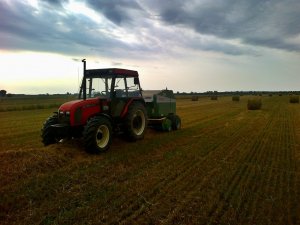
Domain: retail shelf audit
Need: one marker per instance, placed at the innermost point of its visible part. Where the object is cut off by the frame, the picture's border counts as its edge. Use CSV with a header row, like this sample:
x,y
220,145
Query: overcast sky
x,y
193,45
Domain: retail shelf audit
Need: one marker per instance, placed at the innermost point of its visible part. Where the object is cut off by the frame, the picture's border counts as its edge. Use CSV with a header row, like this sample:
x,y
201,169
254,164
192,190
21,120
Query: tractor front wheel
x,y
97,135
48,134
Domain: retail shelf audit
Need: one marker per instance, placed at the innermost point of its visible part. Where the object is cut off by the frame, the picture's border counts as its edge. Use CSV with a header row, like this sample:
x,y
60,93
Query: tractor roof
x,y
111,71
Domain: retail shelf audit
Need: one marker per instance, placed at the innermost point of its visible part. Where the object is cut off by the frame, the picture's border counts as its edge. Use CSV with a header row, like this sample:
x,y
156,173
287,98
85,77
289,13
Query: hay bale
x,y
195,98
236,98
254,104
214,97
294,99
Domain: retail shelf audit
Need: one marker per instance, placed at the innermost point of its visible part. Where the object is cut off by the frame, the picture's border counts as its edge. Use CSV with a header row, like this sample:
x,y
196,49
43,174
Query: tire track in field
x,y
268,154
261,164
190,186
286,162
243,175
266,177
264,148
190,166
135,206
278,174
132,202
195,192
152,196
296,155
294,184
281,179
234,144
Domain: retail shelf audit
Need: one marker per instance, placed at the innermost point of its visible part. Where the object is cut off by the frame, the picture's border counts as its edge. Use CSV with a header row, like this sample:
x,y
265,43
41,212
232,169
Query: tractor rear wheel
x,y
48,134
97,135
136,121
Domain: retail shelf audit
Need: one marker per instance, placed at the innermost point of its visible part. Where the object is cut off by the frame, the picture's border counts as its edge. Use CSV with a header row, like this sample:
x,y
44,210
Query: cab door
x,y
119,96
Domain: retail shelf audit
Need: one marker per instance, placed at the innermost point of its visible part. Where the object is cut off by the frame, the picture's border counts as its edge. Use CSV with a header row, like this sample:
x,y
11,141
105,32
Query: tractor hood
x,y
80,103
77,112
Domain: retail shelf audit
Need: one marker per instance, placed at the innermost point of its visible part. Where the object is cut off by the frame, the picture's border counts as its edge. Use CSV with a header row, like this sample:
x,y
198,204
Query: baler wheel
x,y
167,125
176,122
97,135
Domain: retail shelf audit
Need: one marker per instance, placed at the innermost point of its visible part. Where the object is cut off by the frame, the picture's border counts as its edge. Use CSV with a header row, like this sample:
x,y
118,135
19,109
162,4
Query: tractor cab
x,y
110,84
113,89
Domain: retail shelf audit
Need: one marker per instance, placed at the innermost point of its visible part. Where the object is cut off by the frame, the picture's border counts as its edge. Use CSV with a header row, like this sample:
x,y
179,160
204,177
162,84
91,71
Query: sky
x,y
186,46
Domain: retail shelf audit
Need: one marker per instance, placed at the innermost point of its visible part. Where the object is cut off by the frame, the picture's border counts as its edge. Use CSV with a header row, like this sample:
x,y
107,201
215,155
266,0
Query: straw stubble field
x,y
227,165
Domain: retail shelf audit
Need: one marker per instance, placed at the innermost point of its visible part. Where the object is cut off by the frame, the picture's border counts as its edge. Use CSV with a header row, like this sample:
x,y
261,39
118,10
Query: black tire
x,y
48,133
136,121
97,135
176,122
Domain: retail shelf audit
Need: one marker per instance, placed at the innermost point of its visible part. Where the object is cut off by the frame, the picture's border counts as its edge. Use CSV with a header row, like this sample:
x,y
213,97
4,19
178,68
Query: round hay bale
x,y
236,98
214,97
195,98
254,104
294,99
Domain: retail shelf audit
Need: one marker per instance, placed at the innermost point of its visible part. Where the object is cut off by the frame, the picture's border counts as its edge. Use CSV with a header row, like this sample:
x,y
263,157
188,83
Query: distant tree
x,y
2,93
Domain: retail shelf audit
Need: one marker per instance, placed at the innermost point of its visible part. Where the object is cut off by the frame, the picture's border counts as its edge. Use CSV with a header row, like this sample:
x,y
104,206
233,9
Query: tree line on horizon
x,y
3,93
230,93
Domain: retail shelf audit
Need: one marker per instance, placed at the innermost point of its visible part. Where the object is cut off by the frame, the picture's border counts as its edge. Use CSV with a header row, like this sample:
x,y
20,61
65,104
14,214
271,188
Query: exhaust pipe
x,y
83,86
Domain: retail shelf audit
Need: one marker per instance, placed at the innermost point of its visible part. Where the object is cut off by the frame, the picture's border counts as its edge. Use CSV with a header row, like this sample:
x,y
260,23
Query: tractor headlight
x,y
67,113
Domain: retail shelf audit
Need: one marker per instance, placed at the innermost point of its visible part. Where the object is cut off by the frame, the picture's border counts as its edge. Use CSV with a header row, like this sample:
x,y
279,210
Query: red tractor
x,y
110,100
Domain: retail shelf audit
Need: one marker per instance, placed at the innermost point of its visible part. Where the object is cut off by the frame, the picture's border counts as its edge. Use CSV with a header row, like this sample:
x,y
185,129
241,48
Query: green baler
x,y
161,110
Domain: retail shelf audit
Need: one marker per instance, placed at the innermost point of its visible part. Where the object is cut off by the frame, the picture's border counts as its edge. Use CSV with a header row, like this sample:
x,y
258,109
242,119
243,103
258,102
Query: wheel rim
x,y
102,136
138,122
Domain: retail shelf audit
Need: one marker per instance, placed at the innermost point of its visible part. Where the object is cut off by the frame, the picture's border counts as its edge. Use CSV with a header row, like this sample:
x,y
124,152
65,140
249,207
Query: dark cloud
x,y
147,28
276,43
118,11
54,31
55,2
267,23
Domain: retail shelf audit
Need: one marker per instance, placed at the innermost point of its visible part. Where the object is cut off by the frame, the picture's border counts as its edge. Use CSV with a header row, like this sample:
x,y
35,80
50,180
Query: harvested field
x,y
227,165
